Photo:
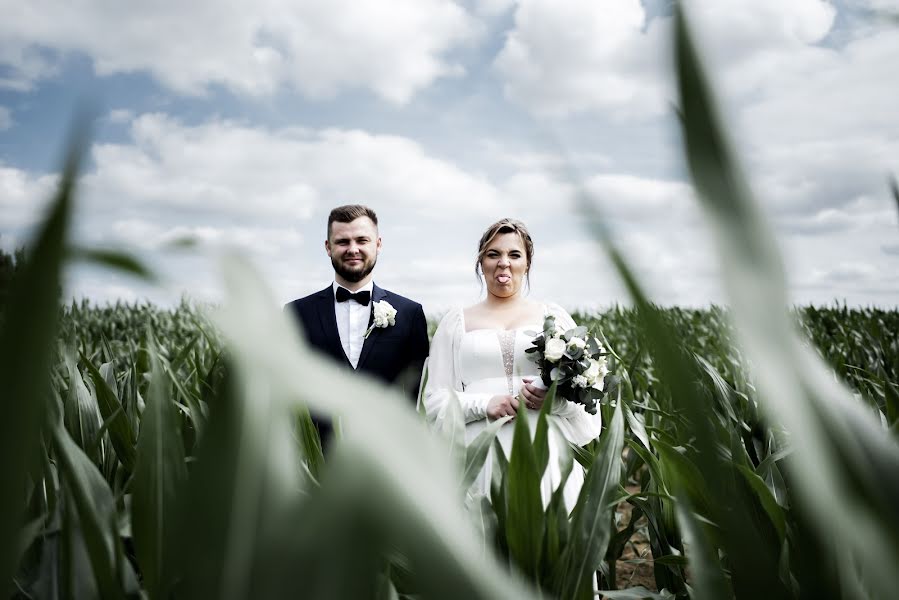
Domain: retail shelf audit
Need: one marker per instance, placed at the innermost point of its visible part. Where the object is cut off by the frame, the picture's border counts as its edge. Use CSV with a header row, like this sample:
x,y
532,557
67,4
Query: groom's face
x,y
353,248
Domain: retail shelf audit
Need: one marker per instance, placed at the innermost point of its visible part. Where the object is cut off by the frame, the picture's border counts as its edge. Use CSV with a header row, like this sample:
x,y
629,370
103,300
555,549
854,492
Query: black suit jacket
x,y
393,354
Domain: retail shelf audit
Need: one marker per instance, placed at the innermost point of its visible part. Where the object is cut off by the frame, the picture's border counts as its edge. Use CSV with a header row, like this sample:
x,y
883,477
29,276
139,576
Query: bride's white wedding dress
x,y
482,363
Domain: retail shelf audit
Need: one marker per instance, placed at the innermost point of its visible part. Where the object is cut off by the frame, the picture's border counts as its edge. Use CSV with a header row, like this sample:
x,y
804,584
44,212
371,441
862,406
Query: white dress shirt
x,y
352,322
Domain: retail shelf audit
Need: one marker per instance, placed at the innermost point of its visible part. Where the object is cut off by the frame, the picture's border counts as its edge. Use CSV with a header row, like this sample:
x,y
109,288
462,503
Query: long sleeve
x,y
441,378
417,352
576,424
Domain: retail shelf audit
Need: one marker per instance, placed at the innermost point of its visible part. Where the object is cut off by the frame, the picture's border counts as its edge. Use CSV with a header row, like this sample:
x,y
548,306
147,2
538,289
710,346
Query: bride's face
x,y
505,265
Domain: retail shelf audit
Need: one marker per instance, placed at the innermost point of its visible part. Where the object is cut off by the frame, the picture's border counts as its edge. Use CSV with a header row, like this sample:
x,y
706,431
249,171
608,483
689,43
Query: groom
x,y
336,319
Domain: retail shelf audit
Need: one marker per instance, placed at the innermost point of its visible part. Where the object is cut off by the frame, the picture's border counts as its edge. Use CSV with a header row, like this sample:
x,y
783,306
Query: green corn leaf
x,y
620,538
405,487
95,507
842,455
591,527
453,429
541,434
773,510
27,334
120,433
247,461
498,492
690,479
160,475
708,577
81,413
477,451
114,259
524,518
310,442
558,525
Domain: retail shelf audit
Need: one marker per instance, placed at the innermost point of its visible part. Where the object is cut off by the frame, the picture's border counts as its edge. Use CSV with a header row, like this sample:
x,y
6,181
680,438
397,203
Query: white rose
x,y
384,314
576,344
601,376
579,381
592,371
554,350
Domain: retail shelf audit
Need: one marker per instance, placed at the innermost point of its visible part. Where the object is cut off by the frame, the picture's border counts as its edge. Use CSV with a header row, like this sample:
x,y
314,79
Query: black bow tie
x,y
363,297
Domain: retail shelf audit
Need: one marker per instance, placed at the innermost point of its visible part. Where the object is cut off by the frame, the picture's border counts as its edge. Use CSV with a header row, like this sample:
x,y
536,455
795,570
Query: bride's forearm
x,y
473,405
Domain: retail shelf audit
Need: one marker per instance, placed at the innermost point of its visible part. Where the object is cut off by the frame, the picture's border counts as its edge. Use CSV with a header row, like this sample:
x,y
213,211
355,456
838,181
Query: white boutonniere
x,y
384,316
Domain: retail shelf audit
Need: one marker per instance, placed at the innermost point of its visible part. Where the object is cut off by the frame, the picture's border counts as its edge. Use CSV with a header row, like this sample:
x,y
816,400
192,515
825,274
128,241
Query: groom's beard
x,y
357,273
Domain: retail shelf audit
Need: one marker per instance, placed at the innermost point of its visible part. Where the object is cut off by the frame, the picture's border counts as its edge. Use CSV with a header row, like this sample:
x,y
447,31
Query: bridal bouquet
x,y
574,359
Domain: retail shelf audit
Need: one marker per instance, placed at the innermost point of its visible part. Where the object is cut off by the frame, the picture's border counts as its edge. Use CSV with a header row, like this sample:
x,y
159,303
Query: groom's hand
x,y
501,406
533,395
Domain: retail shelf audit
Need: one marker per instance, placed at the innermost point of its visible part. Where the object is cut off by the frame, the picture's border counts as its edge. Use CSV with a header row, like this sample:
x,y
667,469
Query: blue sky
x,y
241,126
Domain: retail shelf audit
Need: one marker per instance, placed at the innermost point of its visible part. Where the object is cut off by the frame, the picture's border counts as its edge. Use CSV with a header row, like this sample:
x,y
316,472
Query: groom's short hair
x,y
349,213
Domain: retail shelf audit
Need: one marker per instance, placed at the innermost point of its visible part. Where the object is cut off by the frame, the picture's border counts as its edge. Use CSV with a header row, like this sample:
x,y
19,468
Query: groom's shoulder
x,y
400,302
307,301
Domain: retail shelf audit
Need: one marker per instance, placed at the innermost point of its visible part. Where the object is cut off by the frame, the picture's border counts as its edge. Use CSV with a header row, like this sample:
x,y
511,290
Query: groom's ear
x,y
378,247
328,246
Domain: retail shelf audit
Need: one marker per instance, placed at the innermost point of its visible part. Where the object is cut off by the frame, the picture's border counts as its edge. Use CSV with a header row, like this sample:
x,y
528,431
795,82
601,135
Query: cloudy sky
x,y
241,124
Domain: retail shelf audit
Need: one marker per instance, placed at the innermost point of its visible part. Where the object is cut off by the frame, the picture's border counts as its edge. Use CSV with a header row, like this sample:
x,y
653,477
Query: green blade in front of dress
x,y
524,517
476,452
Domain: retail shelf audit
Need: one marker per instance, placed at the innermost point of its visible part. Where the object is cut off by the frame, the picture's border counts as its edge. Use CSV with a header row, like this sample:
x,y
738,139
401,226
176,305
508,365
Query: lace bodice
x,y
494,360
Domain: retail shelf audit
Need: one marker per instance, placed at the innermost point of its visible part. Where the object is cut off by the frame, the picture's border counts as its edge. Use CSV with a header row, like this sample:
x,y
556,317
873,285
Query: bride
x,y
478,354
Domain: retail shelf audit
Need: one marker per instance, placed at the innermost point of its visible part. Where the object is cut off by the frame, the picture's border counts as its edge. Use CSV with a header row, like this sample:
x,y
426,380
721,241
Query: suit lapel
x,y
329,322
377,294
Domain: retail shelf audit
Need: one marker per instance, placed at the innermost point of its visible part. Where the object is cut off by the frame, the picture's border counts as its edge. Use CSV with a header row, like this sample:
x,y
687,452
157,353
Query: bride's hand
x,y
501,406
532,394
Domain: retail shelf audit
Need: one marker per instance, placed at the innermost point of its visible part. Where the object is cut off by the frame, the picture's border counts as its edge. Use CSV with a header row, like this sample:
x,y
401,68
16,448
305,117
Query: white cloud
x,y
819,136
230,184
318,48
675,267
877,5
120,115
24,64
510,156
821,223
845,272
570,56
225,169
811,110
492,8
738,30
535,191
219,167
261,241
22,197
630,198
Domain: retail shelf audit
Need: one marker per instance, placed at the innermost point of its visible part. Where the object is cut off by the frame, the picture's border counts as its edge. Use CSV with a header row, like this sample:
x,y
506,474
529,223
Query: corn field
x,y
747,452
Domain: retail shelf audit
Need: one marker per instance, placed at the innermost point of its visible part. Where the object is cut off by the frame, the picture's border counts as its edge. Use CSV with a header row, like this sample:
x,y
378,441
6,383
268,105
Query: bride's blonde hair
x,y
505,226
